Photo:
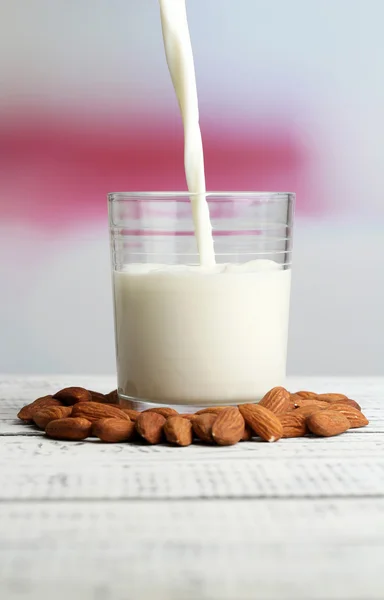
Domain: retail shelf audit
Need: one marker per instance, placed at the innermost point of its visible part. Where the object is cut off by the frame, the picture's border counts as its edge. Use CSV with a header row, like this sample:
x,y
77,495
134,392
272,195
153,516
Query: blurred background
x,y
291,98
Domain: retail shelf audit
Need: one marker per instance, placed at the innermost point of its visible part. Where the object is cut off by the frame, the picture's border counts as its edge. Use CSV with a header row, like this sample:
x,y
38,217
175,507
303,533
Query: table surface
x,y
302,519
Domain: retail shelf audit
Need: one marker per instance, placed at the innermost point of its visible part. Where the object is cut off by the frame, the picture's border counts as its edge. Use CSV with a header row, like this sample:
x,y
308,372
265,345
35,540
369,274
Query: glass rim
x,y
163,196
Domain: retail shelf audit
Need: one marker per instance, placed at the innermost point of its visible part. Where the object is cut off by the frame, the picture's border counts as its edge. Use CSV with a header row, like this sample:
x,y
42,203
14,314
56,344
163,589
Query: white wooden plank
x,y
318,550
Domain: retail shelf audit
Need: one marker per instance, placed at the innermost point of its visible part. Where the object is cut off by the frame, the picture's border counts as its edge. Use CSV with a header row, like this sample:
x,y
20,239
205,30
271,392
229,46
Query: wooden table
x,y
301,519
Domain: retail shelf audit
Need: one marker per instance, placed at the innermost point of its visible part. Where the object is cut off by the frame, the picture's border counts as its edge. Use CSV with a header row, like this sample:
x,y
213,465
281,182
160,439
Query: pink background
x,y
291,98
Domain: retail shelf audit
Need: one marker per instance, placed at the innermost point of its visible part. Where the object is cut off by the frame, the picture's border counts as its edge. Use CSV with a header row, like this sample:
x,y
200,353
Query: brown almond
x,y
277,400
132,414
93,411
114,430
293,425
327,423
213,410
51,413
349,402
308,409
228,427
69,429
292,402
189,416
97,397
312,402
27,412
112,397
248,434
72,395
178,430
331,397
202,426
150,426
164,411
305,394
262,421
355,417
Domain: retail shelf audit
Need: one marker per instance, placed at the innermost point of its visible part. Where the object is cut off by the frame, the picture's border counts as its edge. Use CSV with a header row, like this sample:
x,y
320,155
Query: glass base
x,y
140,404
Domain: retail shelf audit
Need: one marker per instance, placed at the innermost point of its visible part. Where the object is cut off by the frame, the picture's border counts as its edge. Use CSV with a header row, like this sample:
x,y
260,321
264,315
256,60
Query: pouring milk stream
x,y
178,50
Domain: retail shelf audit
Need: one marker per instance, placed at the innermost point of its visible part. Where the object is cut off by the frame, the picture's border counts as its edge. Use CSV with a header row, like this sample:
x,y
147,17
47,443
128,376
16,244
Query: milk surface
x,y
201,335
179,55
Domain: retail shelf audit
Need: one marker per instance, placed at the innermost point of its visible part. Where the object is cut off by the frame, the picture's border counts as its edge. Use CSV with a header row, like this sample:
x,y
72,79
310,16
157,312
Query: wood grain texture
x,y
200,523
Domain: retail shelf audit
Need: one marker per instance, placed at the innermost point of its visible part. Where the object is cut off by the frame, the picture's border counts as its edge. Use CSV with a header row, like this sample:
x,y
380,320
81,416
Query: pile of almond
x,y
75,413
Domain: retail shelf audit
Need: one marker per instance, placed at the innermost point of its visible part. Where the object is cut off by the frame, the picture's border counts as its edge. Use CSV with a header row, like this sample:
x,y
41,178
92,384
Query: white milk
x,y
179,55
194,335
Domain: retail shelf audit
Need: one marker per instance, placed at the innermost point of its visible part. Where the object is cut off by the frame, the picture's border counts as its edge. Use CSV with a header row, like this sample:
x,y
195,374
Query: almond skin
x,y
307,410
293,425
178,430
349,402
327,423
276,400
305,394
164,411
228,427
332,397
150,426
112,397
213,410
72,395
69,429
132,414
114,430
93,411
247,435
189,416
262,421
27,412
355,417
97,397
44,416
312,402
202,426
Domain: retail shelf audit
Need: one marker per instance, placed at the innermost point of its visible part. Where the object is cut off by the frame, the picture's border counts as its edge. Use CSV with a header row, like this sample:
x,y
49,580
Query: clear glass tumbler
x,y
188,335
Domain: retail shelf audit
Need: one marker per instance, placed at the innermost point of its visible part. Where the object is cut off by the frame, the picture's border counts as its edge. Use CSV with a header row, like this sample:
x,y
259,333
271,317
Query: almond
x,y
349,402
164,411
112,397
248,434
69,429
312,402
93,411
189,416
262,421
132,414
27,412
213,410
228,427
307,410
292,402
73,395
354,416
202,426
51,413
276,400
97,397
178,430
327,423
293,425
305,394
331,397
150,426
114,430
